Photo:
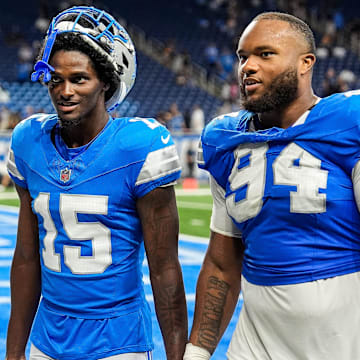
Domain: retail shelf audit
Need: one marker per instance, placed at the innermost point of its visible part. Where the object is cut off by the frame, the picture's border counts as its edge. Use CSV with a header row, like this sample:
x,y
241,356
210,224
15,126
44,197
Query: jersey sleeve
x,y
218,139
356,183
161,166
200,156
14,171
22,144
15,165
353,108
221,222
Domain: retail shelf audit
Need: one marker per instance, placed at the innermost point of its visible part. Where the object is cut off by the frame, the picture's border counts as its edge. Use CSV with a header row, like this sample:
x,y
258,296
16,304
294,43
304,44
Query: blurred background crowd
x,y
186,54
187,68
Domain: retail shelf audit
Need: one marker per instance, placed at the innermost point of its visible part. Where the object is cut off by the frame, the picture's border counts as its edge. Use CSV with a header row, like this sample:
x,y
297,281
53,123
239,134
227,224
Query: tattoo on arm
x,y
215,299
168,302
159,228
160,225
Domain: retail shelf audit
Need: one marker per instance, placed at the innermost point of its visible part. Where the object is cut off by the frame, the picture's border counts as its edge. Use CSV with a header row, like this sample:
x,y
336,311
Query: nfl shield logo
x,y
65,175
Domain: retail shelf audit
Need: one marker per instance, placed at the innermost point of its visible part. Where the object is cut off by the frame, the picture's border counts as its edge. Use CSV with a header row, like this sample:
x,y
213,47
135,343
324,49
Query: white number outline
x,y
308,178
70,206
306,199
151,123
50,258
251,205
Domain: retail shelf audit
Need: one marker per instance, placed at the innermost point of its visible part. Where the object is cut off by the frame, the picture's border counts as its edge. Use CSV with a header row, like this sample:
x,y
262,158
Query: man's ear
x,y
106,87
307,62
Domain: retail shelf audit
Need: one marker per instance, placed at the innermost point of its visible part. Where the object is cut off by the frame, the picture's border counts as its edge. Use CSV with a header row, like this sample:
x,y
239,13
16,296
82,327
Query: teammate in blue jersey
x,y
93,189
285,226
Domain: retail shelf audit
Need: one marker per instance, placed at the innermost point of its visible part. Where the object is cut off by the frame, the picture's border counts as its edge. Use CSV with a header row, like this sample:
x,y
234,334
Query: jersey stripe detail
x,y
356,182
200,155
159,163
220,221
11,166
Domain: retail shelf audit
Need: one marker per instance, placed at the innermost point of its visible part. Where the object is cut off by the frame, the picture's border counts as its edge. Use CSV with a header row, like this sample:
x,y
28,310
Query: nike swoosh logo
x,y
165,140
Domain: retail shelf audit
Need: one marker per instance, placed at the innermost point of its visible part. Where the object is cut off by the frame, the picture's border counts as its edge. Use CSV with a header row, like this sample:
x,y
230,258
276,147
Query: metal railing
x,y
154,48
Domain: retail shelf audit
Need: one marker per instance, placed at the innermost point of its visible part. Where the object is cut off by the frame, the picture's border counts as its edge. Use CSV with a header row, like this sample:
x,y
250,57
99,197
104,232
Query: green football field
x,y
194,209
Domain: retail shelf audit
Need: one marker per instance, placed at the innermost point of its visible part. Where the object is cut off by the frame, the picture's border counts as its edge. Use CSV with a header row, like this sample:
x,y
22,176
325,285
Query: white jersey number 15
x,y
69,206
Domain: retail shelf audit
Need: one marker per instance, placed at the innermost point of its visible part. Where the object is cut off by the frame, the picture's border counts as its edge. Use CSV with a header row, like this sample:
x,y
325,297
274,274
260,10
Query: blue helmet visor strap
x,y
42,66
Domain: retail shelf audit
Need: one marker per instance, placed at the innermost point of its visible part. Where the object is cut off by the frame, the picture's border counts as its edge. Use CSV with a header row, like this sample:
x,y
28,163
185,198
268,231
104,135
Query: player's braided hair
x,y
70,41
296,24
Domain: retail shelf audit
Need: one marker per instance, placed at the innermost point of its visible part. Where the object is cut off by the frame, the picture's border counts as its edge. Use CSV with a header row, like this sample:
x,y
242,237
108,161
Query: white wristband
x,y
193,352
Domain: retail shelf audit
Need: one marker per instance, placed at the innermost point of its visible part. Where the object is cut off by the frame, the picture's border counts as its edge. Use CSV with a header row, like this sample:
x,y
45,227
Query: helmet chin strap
x,y
121,93
42,67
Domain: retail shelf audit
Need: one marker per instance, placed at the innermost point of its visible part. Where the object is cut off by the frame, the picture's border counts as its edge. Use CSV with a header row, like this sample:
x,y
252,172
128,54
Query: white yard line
x,y
193,239
192,192
4,299
6,252
4,284
5,263
8,195
5,242
193,205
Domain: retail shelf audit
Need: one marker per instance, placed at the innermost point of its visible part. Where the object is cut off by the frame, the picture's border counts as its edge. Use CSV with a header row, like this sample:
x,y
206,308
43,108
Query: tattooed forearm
x,y
170,306
160,223
214,304
164,227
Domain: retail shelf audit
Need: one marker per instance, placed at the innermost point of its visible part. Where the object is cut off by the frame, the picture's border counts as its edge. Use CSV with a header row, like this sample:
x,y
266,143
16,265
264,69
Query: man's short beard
x,y
281,92
69,124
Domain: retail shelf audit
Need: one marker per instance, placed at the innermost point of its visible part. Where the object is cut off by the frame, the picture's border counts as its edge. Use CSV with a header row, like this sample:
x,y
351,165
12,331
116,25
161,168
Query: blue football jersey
x,y
90,232
290,191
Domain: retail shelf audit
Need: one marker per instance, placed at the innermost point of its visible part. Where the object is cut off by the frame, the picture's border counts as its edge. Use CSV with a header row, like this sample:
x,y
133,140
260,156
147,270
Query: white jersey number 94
x,y
307,176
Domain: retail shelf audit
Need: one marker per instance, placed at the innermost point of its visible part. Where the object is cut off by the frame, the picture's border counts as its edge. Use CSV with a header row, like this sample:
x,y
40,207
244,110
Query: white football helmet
x,y
105,35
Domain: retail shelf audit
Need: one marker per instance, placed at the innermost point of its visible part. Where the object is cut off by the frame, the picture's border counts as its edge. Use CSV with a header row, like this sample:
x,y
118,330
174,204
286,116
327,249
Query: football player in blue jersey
x,y
285,226
92,190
